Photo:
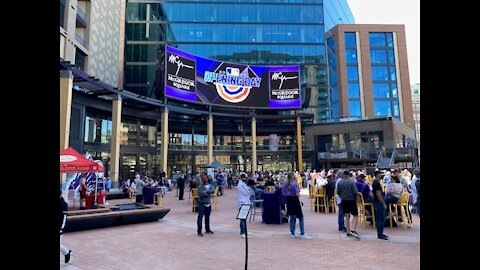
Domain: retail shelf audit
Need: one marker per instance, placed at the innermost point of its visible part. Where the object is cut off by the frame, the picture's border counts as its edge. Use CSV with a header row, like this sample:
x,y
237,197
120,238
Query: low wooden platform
x,y
109,215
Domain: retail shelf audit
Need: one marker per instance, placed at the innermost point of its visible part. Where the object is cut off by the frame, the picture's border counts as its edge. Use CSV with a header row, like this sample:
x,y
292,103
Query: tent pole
x,y
96,185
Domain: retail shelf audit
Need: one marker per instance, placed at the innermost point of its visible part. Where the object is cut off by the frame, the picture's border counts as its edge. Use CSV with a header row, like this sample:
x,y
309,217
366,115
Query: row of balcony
x,y
236,148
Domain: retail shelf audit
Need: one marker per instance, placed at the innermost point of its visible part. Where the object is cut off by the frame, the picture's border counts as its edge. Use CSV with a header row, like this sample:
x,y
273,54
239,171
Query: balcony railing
x,y
235,148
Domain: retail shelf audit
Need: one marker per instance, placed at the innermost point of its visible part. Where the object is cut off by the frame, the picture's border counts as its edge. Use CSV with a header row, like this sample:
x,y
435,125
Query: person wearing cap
x,y
347,190
379,205
243,197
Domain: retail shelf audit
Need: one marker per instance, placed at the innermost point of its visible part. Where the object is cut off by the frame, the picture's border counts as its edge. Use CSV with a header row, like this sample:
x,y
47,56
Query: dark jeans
x,y
180,192
379,217
203,211
139,198
229,183
243,226
341,218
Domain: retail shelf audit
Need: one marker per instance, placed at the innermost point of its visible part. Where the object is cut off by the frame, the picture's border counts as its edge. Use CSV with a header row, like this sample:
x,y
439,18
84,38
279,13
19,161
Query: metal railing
x,y
235,148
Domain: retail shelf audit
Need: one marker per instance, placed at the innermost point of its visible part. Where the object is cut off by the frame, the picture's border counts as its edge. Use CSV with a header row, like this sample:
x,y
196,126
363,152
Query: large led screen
x,y
201,80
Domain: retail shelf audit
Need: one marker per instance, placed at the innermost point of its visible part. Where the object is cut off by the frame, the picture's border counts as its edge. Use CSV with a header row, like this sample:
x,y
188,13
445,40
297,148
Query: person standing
x,y
341,214
63,219
347,190
181,186
205,191
291,191
417,186
139,185
108,184
83,191
413,187
379,205
243,197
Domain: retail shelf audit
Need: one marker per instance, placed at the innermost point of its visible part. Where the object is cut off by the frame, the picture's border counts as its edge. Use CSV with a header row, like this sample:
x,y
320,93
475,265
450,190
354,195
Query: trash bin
x,y
89,200
101,197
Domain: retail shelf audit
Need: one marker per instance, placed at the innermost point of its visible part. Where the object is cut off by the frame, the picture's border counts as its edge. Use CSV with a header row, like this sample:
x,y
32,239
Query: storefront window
x,y
147,135
128,134
97,130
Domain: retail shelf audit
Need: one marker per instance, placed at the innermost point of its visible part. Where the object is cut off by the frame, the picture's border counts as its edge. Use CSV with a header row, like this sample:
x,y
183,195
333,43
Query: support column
x,y
210,138
193,147
66,85
254,144
165,138
299,144
115,143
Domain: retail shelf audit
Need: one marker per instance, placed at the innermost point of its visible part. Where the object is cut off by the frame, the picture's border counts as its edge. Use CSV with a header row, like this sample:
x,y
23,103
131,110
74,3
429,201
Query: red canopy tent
x,y
73,162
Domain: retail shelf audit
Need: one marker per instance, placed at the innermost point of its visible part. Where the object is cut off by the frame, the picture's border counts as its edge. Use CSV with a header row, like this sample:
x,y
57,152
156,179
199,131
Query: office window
x,y
379,73
377,39
382,108
353,90
389,39
352,73
381,90
378,56
354,108
351,56
350,39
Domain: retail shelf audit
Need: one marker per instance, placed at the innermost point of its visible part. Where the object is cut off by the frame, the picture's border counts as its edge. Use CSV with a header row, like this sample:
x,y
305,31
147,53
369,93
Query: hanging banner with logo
x,y
201,80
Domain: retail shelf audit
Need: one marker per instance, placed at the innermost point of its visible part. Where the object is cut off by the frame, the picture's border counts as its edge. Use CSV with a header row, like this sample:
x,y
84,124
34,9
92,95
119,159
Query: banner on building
x,y
201,80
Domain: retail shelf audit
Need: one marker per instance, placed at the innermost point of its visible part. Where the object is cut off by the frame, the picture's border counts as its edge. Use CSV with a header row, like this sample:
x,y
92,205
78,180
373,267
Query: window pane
x,y
350,39
380,73
394,90
377,39
396,109
390,40
351,55
378,56
352,73
381,90
382,108
354,108
393,73
391,56
353,90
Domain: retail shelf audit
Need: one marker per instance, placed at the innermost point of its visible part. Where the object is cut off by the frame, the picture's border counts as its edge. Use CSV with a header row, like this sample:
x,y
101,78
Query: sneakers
x,y
243,236
210,232
67,256
296,235
305,237
383,237
249,233
355,234
343,230
200,234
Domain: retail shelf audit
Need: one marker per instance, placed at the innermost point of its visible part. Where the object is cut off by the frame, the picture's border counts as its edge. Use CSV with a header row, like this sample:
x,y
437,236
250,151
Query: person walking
x,y
205,191
243,197
181,186
379,205
291,191
347,190
63,219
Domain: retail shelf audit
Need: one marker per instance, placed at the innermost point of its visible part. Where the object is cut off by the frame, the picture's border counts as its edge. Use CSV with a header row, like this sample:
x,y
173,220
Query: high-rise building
x,y
368,72
268,32
416,109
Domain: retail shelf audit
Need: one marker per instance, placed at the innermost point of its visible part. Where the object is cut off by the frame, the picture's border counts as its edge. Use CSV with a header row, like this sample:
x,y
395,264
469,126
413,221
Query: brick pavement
x,y
172,243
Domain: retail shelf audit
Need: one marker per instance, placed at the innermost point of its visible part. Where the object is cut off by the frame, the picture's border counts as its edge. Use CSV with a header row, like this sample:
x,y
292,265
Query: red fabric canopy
x,y
73,162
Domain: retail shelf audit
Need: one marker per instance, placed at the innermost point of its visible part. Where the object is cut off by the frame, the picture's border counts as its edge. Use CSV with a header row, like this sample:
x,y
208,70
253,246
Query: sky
x,y
405,12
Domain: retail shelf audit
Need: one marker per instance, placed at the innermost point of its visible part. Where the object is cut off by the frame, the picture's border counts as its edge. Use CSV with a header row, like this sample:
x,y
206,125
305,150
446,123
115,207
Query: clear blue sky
x,y
405,12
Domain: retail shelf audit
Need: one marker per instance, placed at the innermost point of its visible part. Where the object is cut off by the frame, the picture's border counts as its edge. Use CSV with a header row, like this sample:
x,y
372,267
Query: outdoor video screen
x,y
196,79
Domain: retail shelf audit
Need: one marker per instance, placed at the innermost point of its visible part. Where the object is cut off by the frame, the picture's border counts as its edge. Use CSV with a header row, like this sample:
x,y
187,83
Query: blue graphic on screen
x,y
201,80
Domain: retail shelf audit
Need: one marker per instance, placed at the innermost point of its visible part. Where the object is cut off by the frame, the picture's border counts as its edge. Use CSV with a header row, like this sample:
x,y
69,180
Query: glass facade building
x,y
261,32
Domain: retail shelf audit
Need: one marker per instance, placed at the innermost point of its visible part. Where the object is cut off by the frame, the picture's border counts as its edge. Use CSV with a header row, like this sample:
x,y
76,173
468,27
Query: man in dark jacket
x,y
62,221
181,186
205,191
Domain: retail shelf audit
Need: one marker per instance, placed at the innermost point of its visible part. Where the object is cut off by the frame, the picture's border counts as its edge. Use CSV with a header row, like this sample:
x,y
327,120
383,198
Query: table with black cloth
x,y
148,193
273,202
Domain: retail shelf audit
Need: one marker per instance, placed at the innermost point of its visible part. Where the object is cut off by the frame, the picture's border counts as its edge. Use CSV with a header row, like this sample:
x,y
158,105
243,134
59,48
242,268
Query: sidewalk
x,y
172,243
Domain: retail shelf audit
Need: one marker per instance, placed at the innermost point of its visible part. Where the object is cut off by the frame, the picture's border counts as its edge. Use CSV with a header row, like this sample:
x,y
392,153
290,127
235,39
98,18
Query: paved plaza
x,y
172,243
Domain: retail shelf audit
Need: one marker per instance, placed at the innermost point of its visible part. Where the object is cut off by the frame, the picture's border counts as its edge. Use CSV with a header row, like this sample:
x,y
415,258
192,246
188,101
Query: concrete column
x,y
66,85
115,141
165,138
299,144
210,138
254,144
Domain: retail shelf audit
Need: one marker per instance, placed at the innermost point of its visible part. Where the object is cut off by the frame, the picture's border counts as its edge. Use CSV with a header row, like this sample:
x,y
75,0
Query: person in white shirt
x,y
243,197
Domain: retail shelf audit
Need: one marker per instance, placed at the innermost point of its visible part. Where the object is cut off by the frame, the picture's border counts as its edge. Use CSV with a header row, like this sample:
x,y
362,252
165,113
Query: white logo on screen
x,y
279,76
233,71
175,59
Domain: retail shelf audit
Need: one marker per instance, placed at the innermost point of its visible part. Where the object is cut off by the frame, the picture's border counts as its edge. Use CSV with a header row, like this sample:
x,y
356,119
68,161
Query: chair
x,y
311,190
215,197
402,206
254,201
320,199
362,211
159,198
131,194
333,203
194,199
